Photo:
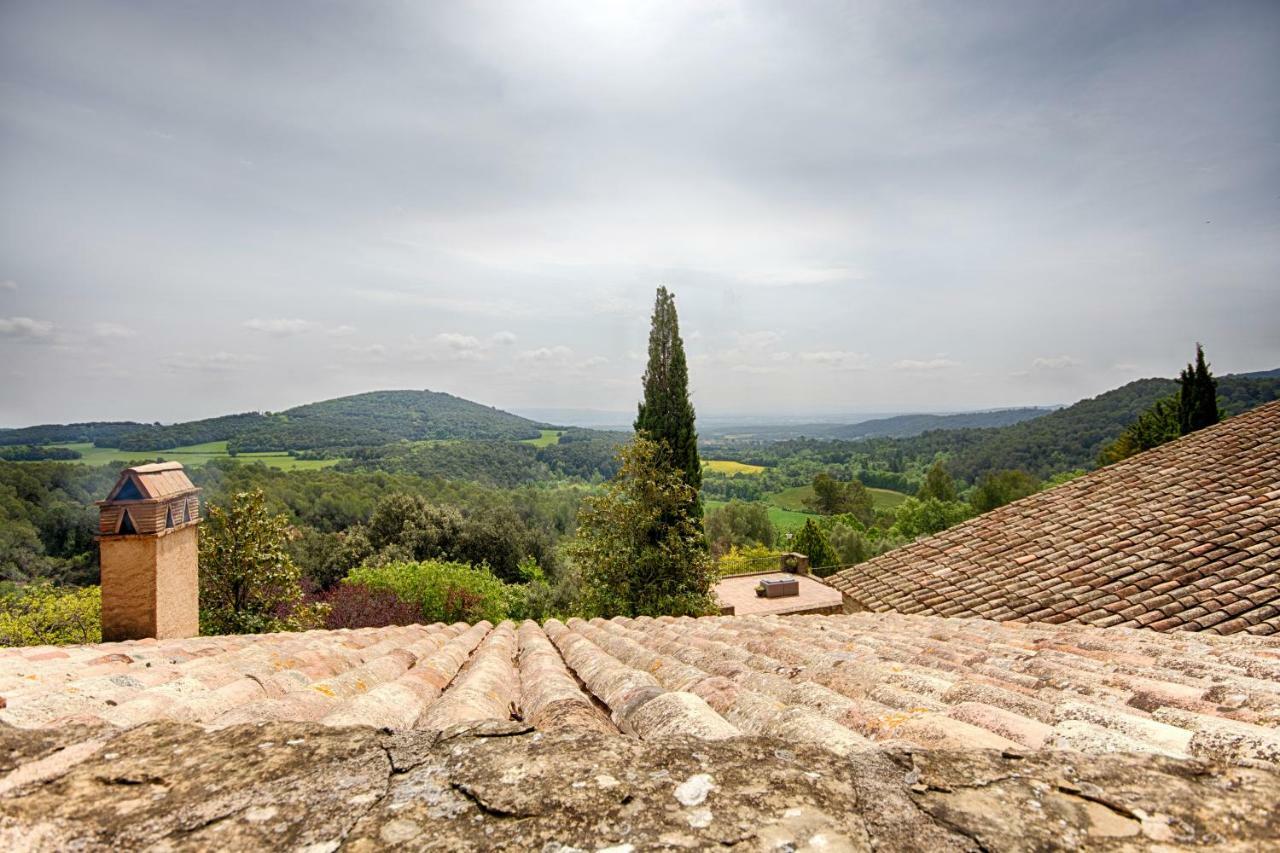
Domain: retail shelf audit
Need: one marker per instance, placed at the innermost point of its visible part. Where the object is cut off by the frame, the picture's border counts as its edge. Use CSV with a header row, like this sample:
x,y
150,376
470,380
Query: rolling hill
x,y
374,418
898,426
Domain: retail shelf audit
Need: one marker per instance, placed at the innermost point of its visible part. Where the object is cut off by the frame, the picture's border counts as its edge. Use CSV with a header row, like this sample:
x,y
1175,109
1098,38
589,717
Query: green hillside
x,y
371,419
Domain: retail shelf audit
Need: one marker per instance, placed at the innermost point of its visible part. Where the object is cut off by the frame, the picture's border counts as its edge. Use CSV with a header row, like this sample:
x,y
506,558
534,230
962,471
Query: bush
x,y
42,614
442,592
353,605
748,559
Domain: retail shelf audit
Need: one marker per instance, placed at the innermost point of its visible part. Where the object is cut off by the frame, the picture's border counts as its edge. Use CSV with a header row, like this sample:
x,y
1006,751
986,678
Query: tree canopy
x,y
666,415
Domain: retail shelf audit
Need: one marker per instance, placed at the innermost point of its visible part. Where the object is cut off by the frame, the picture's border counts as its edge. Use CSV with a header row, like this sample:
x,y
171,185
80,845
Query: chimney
x,y
147,544
793,563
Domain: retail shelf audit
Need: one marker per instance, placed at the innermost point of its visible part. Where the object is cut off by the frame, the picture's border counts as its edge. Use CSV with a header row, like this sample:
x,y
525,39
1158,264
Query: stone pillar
x,y
148,538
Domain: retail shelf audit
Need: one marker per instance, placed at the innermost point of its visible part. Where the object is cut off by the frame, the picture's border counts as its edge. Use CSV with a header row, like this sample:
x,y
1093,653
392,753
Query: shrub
x,y
442,592
43,614
353,605
748,559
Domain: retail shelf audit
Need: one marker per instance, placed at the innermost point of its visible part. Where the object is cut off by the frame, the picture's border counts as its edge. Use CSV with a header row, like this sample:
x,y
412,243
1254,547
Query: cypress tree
x,y
666,415
1198,397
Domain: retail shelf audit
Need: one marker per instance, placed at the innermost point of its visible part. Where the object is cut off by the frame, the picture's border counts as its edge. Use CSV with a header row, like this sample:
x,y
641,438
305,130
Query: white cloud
x,y
1058,362
370,353
112,331
8,284
458,342
281,327
341,331
916,365
759,340
25,328
503,339
547,354
839,359
216,362
593,361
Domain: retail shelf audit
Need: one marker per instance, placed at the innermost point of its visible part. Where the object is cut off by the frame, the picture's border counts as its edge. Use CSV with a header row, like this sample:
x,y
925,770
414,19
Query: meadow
x,y
548,437
195,454
795,497
731,468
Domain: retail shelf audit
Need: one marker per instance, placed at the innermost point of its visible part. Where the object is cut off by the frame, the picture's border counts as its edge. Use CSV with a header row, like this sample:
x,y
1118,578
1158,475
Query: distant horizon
x,y
606,418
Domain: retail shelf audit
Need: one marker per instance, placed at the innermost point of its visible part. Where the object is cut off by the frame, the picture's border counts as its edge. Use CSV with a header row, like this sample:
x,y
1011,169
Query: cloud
x,y
839,359
1058,362
547,354
373,353
216,362
8,284
914,365
503,339
112,331
340,331
763,339
282,327
25,328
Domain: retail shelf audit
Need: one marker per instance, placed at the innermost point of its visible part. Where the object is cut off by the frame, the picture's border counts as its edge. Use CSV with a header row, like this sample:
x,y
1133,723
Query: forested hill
x,y
374,418
899,426
1072,437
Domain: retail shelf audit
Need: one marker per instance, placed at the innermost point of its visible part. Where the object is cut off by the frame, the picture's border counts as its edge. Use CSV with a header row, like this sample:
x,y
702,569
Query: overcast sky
x,y
226,206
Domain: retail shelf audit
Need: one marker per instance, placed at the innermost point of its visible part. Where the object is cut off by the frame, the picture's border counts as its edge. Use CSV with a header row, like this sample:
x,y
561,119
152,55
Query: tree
x,y
1198,396
812,542
1159,424
835,497
938,484
739,524
639,547
666,416
1001,487
248,583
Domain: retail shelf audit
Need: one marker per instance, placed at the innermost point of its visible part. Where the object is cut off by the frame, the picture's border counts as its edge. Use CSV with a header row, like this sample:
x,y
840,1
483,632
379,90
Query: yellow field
x,y
731,468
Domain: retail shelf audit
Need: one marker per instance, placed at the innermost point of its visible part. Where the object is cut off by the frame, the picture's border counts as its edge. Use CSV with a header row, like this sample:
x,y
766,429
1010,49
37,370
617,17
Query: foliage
x,y
813,543
1197,397
442,591
738,524
915,517
105,432
42,614
666,416
353,605
639,547
743,560
833,497
33,453
854,543
1154,427
937,484
248,583
1063,477
1001,487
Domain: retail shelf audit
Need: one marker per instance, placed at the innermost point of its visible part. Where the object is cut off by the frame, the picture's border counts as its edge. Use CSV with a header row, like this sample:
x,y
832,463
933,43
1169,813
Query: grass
x,y
782,519
195,454
549,436
731,468
794,498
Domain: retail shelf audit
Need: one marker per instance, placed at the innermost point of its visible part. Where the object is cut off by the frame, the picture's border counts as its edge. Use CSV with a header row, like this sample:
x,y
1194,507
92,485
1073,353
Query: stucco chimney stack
x,y
148,547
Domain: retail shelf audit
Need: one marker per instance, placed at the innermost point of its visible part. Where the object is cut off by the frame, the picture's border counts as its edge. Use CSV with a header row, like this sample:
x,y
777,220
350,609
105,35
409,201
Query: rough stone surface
x,y
305,786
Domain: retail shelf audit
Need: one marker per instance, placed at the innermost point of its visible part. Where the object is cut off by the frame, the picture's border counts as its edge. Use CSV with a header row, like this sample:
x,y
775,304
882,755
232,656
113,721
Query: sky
x,y
860,207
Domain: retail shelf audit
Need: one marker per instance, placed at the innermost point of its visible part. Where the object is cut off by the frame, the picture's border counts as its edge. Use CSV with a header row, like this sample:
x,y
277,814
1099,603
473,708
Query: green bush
x,y
446,592
42,614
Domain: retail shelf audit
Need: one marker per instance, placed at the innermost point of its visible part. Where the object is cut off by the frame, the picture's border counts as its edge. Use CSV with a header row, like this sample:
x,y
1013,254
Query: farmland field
x,y
794,498
549,436
195,454
729,467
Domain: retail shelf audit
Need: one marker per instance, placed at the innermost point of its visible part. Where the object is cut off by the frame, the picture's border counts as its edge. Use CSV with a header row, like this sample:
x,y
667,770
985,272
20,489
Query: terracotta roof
x,y
154,481
862,731
840,683
739,592
1182,537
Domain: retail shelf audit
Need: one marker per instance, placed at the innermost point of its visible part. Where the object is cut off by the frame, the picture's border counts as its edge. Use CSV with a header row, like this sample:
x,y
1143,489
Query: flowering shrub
x,y
354,605
40,614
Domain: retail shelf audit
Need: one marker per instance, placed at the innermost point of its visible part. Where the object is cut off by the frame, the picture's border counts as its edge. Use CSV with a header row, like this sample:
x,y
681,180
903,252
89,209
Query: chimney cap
x,y
155,482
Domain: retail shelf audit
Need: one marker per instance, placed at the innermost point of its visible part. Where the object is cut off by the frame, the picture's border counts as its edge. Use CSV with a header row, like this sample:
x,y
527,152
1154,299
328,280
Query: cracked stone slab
x,y
305,786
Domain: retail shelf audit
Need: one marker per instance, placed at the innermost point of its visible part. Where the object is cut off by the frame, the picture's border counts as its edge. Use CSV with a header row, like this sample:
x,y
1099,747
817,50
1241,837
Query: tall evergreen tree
x,y
1198,397
666,415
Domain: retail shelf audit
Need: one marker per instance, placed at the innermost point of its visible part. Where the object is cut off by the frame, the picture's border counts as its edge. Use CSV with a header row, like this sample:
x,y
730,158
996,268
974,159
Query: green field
x,y
794,498
549,436
195,454
729,467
